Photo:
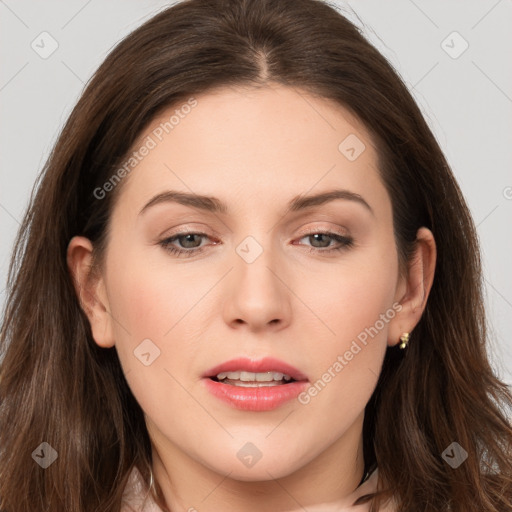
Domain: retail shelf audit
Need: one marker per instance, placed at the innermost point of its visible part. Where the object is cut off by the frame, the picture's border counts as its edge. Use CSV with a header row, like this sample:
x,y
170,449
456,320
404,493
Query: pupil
x,y
315,236
189,243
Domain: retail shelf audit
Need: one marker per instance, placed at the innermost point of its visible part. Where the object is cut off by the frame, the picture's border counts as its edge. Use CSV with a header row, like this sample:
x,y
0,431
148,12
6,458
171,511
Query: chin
x,y
258,473
267,467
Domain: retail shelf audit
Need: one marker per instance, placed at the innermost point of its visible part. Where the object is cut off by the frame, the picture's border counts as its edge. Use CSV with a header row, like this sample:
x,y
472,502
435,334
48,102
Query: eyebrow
x,y
215,205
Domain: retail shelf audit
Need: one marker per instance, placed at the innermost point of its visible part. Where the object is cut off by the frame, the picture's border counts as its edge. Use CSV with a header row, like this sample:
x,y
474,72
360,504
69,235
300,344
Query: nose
x,y
257,295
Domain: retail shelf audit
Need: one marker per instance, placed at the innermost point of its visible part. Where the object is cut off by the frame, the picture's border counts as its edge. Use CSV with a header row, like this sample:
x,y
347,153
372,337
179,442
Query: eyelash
x,y
345,241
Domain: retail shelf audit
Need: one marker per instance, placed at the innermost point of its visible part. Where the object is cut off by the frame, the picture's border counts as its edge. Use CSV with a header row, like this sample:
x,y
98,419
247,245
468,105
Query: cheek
x,y
152,299
356,307
154,337
353,298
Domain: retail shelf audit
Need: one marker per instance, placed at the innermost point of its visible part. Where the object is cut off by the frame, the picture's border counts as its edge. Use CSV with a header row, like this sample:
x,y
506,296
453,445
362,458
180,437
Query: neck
x,y
331,479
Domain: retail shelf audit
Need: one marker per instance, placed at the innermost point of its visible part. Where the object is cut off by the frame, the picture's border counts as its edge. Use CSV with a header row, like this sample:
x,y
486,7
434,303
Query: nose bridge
x,y
254,263
258,296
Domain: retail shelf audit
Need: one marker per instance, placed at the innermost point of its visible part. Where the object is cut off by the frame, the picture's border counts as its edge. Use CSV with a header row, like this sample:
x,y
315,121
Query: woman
x,y
249,281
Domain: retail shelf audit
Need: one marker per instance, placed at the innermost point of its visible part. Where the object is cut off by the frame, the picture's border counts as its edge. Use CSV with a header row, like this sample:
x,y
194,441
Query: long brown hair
x,y
57,386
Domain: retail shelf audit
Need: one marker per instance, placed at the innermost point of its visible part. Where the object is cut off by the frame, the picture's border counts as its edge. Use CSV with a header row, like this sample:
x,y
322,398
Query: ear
x,y
90,290
414,288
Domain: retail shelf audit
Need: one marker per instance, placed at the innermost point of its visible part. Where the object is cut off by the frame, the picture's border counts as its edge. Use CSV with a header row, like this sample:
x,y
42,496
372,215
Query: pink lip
x,y
258,398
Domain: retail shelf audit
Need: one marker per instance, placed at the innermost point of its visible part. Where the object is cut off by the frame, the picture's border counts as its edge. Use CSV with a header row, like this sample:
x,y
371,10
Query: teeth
x,y
253,377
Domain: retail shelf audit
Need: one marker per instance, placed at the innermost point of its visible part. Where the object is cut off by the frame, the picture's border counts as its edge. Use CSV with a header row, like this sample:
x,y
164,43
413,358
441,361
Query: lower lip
x,y
257,399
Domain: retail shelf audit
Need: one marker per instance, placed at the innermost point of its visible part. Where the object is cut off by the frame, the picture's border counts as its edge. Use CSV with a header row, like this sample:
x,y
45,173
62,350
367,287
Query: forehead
x,y
250,143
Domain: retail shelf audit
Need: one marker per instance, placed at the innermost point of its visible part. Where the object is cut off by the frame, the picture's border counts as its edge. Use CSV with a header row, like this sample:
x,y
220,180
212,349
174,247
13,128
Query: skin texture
x,y
254,149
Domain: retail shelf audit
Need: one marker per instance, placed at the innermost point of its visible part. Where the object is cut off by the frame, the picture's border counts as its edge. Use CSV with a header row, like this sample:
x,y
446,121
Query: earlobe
x,y
90,290
418,284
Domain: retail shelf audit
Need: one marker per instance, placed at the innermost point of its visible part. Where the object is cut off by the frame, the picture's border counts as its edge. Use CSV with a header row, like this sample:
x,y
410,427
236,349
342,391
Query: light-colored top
x,y
136,497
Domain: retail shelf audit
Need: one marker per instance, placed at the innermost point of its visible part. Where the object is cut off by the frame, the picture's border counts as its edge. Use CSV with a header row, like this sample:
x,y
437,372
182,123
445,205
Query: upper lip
x,y
267,364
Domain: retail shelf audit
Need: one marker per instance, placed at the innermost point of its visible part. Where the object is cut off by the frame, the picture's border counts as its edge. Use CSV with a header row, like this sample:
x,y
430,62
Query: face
x,y
259,274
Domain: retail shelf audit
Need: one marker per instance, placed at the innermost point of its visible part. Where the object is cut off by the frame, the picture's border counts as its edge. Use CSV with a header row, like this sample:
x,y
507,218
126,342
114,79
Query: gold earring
x,y
404,339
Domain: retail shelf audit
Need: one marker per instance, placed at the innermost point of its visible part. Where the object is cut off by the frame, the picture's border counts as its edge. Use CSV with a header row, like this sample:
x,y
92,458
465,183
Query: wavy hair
x,y
58,386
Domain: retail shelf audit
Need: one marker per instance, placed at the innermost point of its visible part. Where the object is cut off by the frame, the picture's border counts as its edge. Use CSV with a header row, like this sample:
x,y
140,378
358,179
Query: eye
x,y
321,241
190,244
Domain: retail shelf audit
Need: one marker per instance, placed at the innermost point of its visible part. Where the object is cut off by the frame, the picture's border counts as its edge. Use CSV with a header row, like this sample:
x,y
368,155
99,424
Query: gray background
x,y
466,98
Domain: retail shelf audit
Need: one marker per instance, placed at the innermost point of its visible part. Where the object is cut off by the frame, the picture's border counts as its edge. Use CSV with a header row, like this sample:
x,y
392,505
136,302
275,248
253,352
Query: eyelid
x,y
337,231
186,229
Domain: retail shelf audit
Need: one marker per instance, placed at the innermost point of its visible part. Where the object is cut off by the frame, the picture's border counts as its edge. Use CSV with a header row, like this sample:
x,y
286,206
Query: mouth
x,y
253,380
251,385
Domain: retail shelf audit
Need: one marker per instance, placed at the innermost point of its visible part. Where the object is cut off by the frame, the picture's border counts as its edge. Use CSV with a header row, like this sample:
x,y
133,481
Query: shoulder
x,y
136,496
